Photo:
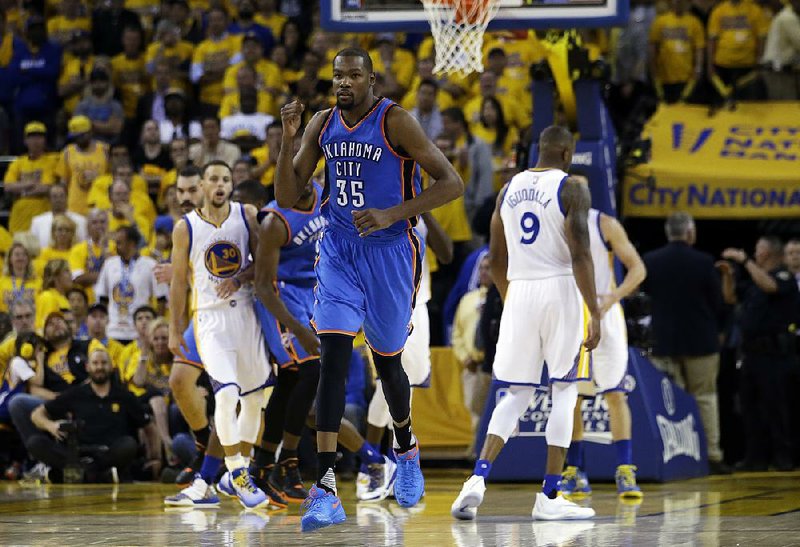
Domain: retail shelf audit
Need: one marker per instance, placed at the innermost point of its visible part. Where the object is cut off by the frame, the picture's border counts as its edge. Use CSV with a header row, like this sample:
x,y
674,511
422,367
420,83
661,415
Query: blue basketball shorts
x,y
190,349
369,283
283,347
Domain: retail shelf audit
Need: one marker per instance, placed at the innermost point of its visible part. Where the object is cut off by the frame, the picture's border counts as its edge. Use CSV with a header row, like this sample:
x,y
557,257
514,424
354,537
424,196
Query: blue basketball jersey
x,y
296,265
363,171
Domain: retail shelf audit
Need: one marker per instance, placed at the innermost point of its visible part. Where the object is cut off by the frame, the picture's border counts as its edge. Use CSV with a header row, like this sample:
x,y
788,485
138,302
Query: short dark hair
x,y
189,171
131,234
78,290
252,192
212,163
431,83
214,119
496,52
356,52
775,244
143,309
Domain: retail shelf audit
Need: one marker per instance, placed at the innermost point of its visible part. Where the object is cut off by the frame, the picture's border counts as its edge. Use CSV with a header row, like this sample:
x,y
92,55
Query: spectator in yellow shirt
x,y
72,18
96,323
269,16
677,44
87,257
62,237
736,33
56,281
267,73
99,196
75,71
18,281
246,79
81,163
170,49
444,98
396,64
211,58
494,131
28,179
130,77
512,108
123,213
266,157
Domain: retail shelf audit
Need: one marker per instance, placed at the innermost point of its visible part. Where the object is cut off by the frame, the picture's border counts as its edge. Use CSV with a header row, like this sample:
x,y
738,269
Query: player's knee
x,y
389,368
226,399
183,379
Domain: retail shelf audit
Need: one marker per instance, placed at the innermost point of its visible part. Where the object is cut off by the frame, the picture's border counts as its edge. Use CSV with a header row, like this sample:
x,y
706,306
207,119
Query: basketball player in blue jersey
x,y
369,259
285,279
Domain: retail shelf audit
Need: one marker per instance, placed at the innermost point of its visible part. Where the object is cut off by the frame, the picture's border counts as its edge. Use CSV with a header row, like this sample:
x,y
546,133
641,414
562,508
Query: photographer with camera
x,y
105,419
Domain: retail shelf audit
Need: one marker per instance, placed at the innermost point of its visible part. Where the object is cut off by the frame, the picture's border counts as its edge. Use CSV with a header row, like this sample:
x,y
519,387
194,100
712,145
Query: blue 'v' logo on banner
x,y
678,137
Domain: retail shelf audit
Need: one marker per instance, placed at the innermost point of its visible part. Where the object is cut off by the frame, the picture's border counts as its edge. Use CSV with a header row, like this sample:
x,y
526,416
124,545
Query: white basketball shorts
x,y
610,357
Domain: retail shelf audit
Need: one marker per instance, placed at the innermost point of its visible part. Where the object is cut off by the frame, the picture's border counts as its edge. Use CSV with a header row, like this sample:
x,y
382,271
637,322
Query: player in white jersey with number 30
x,y
542,265
215,244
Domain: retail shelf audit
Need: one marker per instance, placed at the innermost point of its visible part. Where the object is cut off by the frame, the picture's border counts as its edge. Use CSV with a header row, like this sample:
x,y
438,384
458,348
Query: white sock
x,y
234,462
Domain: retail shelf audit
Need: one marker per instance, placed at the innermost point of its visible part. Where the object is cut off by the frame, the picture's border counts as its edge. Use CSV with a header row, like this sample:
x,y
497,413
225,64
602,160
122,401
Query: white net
x,y
457,27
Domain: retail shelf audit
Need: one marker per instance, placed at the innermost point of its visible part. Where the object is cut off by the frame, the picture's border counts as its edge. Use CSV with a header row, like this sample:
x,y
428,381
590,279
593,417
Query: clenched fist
x,y
291,118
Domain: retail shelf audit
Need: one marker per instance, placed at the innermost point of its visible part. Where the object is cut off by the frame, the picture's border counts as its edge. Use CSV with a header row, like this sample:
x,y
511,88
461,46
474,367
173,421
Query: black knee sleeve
x,y
395,384
302,397
337,349
275,413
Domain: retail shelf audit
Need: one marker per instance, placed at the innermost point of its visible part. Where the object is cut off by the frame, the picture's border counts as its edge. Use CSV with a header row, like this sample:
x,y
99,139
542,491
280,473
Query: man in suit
x,y
686,296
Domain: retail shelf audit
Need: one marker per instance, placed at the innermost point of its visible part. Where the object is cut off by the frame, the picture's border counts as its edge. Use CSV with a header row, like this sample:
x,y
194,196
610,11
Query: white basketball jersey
x,y
533,223
602,257
217,253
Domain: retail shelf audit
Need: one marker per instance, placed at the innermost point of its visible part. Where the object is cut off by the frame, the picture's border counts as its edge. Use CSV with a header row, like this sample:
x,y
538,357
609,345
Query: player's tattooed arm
x,y
407,137
179,285
273,234
438,241
293,171
575,197
498,252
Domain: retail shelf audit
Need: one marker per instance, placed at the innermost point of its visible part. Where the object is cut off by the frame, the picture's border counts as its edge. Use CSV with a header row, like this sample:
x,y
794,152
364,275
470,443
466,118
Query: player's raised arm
x,y
293,171
178,287
621,246
272,236
576,200
498,252
406,135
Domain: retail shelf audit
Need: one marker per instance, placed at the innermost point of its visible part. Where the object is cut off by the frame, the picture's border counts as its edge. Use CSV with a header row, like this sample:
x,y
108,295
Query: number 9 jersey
x,y
533,222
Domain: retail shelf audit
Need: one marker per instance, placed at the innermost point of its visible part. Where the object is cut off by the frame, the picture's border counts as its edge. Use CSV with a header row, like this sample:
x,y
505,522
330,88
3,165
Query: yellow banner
x,y
740,164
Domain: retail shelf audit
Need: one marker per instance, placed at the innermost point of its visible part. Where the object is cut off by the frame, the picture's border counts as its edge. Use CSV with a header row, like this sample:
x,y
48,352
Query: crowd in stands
x,y
102,104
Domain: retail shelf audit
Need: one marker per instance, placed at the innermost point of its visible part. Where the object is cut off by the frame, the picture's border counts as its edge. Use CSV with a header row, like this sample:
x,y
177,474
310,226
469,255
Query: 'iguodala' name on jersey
x,y
528,194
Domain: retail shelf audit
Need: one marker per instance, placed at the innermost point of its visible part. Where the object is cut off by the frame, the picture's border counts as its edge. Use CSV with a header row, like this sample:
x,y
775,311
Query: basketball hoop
x,y
457,27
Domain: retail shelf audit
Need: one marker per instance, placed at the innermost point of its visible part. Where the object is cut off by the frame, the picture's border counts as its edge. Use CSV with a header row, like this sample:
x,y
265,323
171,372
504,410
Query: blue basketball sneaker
x,y
575,483
250,495
626,482
224,485
409,484
320,509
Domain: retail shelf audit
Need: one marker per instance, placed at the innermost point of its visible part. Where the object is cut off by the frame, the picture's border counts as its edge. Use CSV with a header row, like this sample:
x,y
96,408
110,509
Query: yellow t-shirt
x,y
452,216
403,66
737,29
273,22
131,79
443,99
261,154
46,255
15,289
216,51
179,54
513,111
86,257
8,349
140,199
60,29
23,169
6,49
73,66
5,244
677,38
78,170
268,76
157,375
230,104
46,303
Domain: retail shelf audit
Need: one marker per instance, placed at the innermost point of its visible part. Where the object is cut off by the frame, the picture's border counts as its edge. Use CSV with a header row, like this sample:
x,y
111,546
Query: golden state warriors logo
x,y
223,259
123,294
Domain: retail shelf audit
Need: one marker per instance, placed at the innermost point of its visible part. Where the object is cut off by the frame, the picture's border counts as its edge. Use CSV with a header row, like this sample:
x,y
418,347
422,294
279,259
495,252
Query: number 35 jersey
x,y
363,171
217,253
534,225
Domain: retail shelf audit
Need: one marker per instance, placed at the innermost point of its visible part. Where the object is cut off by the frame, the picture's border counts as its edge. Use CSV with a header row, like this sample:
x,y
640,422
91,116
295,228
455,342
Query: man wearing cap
x,y
245,24
34,70
268,75
42,225
100,107
29,177
81,163
76,70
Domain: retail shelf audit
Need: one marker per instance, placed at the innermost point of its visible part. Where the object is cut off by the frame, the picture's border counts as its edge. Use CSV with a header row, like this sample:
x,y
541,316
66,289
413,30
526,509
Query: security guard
x,y
768,296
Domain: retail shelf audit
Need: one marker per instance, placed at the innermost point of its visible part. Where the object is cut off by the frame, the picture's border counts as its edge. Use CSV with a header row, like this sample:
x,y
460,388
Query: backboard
x,y
409,15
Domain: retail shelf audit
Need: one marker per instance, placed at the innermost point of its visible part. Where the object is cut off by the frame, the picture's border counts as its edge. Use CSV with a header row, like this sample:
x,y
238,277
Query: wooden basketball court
x,y
745,509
